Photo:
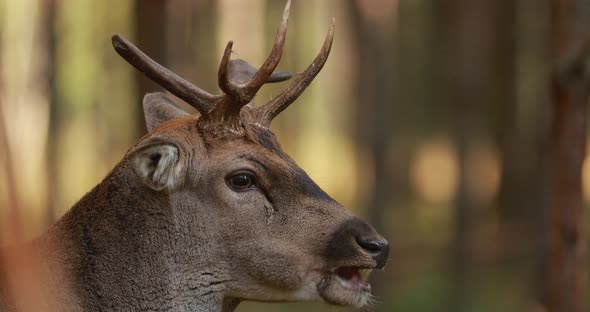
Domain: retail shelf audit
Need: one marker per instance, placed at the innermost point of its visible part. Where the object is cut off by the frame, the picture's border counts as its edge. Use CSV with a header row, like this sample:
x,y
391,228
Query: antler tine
x,y
245,92
223,75
199,99
271,109
273,59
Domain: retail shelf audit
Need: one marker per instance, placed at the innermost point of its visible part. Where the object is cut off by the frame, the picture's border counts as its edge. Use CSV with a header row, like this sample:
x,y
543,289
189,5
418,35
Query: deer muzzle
x,y
353,251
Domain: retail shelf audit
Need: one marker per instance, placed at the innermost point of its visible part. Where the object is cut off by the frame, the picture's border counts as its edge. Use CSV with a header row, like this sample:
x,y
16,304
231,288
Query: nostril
x,y
374,247
356,239
378,249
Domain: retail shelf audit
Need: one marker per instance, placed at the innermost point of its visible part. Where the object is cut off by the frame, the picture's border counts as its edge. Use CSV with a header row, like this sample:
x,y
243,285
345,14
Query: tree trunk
x,y
191,40
567,266
468,34
48,33
529,158
375,103
150,20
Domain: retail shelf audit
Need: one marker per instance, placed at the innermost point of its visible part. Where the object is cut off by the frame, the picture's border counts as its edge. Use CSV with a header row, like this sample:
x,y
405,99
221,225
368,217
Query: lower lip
x,y
359,284
344,291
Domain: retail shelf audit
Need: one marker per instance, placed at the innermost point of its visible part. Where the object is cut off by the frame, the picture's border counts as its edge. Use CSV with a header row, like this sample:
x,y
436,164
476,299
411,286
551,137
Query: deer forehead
x,y
254,143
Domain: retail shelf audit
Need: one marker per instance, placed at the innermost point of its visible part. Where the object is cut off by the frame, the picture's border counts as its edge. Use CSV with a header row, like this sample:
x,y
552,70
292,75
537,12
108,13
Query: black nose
x,y
355,238
377,248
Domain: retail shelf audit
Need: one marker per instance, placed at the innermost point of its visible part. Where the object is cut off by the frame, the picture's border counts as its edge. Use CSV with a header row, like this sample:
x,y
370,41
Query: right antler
x,y
275,106
237,79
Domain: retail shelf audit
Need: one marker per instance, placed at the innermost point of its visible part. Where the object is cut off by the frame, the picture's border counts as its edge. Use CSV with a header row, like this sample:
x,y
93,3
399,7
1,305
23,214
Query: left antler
x,y
202,100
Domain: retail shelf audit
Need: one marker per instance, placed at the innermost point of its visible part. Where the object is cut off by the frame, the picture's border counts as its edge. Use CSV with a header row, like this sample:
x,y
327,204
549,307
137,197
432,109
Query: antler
x,y
238,80
202,100
238,95
271,109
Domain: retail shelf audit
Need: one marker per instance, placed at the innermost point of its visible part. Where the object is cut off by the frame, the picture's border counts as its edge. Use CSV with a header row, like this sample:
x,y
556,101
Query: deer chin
x,y
346,286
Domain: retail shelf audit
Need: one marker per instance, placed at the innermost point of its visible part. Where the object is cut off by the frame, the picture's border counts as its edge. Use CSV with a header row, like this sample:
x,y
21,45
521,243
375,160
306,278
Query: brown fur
x,y
185,241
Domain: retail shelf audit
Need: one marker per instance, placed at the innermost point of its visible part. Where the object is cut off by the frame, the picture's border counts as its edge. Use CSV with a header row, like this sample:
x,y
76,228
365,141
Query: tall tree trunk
x,y
190,41
530,162
567,270
48,33
467,32
514,195
150,31
376,99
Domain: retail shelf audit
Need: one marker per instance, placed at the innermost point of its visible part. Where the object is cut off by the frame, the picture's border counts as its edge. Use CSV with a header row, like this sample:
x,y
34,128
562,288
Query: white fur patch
x,y
309,292
158,165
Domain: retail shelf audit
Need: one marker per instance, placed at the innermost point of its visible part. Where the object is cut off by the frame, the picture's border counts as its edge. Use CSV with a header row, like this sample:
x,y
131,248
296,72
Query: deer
x,y
206,210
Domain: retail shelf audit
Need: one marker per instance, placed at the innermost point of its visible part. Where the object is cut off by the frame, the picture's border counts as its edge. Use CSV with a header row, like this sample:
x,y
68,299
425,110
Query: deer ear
x,y
158,165
158,108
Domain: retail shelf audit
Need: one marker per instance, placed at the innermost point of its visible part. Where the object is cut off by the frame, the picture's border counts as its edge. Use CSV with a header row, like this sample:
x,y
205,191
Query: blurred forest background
x,y
457,128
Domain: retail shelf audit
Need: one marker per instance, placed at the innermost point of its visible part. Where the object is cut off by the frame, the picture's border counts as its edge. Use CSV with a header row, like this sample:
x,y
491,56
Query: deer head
x,y
244,208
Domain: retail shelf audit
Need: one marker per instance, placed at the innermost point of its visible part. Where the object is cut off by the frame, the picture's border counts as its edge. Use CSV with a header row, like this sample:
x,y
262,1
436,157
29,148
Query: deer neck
x,y
124,246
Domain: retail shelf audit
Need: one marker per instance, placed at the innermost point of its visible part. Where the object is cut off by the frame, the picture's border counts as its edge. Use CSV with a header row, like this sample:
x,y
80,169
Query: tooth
x,y
365,273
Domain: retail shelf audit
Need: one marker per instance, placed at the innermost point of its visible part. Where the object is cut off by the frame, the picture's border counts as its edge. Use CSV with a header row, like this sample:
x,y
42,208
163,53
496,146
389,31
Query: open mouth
x,y
346,286
354,277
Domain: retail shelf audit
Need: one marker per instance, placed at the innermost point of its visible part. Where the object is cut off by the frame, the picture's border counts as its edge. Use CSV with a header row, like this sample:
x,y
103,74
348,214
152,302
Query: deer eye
x,y
241,181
